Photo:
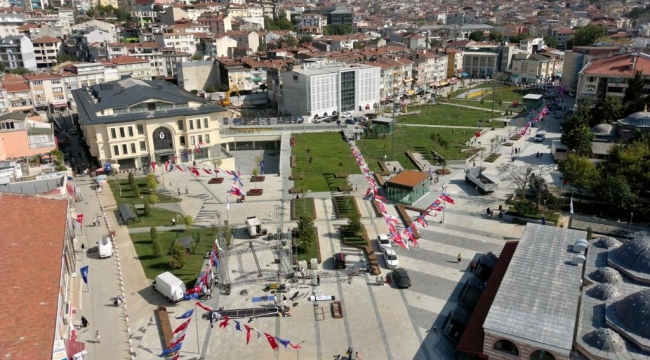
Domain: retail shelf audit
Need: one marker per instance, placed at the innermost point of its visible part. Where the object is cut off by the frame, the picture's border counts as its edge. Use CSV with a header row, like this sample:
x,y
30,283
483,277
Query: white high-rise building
x,y
329,90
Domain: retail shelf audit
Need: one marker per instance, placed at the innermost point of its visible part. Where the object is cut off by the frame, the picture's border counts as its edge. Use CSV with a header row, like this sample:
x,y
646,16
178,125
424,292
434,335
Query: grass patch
x,y
303,206
443,114
157,216
415,139
345,206
311,253
492,158
154,266
330,155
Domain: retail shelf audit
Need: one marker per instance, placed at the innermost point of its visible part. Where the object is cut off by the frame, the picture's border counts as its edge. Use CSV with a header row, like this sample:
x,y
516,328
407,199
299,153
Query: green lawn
x,y
415,139
123,193
330,154
194,262
345,206
443,114
303,206
312,252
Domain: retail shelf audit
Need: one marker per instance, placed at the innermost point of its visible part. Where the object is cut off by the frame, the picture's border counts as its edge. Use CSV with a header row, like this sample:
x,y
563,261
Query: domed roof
x,y
607,243
604,292
605,340
634,312
606,275
635,254
603,130
638,119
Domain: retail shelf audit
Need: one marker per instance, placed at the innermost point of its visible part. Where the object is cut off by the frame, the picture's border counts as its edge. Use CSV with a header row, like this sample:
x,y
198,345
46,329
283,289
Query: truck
x,y
170,287
475,176
105,247
254,226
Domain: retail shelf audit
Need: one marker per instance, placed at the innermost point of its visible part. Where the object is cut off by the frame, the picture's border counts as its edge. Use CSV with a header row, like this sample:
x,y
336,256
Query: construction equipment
x,y
226,101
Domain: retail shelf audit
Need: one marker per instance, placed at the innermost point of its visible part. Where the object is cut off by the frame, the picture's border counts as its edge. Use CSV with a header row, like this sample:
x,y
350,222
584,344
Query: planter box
x,y
341,175
299,177
259,178
524,220
492,158
443,171
346,188
295,191
215,181
254,192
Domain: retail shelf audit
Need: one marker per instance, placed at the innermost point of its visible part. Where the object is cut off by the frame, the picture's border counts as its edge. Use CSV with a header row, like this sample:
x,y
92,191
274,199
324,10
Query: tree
x,y
65,58
189,221
131,178
155,244
516,39
477,35
196,57
210,89
153,233
587,35
354,224
290,41
606,111
306,39
177,256
496,35
617,192
261,47
633,94
551,41
632,161
578,171
435,43
152,182
517,175
305,232
152,199
20,71
578,139
338,29
147,209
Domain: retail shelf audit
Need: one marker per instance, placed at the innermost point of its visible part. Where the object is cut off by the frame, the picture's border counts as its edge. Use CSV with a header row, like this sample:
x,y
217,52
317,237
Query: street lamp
x,y
629,226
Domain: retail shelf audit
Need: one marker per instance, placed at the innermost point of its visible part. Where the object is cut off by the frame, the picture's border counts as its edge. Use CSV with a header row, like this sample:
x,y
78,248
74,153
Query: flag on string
x,y
446,198
168,167
284,343
295,346
224,323
571,205
422,221
180,168
259,336
248,333
187,314
272,342
170,350
227,202
237,325
84,273
153,165
80,218
195,171
176,337
215,261
208,171
199,150
183,326
203,306
262,166
180,340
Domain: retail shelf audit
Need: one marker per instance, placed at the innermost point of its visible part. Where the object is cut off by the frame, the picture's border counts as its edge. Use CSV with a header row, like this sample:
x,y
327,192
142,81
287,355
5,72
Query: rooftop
x,y
28,331
407,179
547,287
620,65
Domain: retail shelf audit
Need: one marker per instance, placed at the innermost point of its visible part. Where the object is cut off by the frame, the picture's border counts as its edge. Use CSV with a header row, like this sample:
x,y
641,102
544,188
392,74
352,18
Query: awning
x,y
74,347
443,83
435,83
60,105
256,79
465,74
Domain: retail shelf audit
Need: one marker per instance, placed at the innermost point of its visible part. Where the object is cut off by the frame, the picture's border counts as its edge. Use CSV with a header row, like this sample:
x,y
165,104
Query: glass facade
x,y
348,79
406,196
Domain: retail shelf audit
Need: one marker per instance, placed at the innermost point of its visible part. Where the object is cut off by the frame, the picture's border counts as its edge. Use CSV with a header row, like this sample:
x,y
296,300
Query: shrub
x,y
152,182
177,256
354,223
153,233
189,221
147,209
156,248
152,199
131,178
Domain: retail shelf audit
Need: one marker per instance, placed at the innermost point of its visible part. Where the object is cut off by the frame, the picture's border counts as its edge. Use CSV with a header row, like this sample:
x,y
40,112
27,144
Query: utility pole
x,y
494,84
392,137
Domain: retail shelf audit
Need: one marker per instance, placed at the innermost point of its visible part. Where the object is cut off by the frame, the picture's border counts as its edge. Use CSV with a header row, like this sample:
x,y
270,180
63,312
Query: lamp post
x,y
629,226
444,204
494,92
392,137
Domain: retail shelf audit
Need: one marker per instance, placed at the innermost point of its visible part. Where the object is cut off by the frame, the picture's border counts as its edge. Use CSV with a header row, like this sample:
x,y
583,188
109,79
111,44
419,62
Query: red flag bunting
x,y
248,333
203,306
272,342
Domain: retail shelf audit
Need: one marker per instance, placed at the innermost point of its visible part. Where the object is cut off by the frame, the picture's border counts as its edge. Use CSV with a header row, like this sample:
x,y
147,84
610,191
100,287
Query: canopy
x,y
465,74
100,178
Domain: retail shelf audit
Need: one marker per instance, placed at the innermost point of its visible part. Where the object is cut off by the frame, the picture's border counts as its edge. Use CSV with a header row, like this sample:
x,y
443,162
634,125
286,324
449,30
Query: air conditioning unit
x,y
580,245
578,259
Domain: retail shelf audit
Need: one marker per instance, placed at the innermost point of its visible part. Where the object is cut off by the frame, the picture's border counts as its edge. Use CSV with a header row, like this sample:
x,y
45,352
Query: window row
x,y
125,148
195,140
192,123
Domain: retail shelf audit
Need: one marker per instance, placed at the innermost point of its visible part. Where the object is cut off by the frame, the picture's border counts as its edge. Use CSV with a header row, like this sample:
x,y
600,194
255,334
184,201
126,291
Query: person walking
x,y
98,337
95,221
186,191
356,355
317,280
460,258
173,222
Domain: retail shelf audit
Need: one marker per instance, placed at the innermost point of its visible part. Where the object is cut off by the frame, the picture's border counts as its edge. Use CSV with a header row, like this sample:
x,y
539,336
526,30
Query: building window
x,y
121,132
130,131
207,138
143,146
191,124
200,139
132,148
192,141
38,82
507,347
180,124
125,150
116,150
140,129
347,90
541,355
113,134
205,123
198,123
182,140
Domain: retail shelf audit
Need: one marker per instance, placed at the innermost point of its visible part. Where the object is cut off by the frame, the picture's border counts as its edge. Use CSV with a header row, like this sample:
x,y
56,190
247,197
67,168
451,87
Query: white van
x,y
540,136
105,247
170,287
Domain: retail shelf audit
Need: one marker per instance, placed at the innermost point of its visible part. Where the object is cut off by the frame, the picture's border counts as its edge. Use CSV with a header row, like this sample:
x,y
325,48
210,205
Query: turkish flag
x,y
80,218
477,134
153,165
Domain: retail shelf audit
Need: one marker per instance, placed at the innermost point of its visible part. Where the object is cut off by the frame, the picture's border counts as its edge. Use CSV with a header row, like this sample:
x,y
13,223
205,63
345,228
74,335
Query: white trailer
x,y
254,226
170,287
484,184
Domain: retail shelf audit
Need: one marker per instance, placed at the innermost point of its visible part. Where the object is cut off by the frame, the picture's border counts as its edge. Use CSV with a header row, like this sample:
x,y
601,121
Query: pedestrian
x,y
271,216
208,293
317,280
95,221
356,188
186,191
394,169
173,221
435,329
473,266
474,163
97,336
356,355
349,352
460,258
99,221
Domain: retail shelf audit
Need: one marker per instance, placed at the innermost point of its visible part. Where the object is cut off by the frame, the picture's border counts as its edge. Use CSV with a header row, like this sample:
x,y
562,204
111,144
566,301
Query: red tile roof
x,y
408,178
472,340
46,40
120,60
30,303
619,66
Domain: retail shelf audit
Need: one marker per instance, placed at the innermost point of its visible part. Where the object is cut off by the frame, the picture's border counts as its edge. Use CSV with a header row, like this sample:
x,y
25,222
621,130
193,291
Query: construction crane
x,y
226,101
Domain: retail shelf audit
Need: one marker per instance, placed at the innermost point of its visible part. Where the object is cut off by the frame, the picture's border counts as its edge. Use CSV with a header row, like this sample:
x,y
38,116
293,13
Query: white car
x,y
383,241
346,114
391,258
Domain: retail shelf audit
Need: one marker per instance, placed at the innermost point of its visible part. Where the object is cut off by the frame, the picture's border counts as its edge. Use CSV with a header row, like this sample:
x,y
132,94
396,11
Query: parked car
x,y
391,258
401,278
339,260
350,121
383,241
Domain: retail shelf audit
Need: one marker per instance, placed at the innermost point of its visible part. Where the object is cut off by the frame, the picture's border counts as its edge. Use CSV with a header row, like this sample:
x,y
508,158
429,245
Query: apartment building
x,y
91,25
10,20
216,23
311,20
46,50
139,122
24,137
576,59
19,94
78,42
428,68
17,52
216,45
247,40
397,77
128,66
561,34
149,51
80,75
48,91
609,76
329,90
178,38
171,57
233,72
480,65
